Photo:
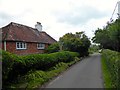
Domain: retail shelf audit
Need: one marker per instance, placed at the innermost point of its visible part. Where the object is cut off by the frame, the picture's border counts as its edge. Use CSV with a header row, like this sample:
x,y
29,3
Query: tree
x,y
109,37
102,37
78,42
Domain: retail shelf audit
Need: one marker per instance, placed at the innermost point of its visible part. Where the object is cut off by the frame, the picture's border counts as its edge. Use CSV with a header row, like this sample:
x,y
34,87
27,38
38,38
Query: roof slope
x,y
18,32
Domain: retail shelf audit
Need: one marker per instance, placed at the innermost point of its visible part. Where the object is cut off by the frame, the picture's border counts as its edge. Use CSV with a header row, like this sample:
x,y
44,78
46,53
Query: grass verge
x,y
106,74
111,69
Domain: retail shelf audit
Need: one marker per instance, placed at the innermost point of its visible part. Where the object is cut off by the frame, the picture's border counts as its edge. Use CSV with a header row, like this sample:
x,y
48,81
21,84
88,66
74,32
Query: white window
x,y
41,46
21,45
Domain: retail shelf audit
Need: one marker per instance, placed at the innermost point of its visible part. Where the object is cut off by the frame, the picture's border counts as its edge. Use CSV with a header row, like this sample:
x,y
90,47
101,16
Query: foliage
x,y
14,66
111,68
37,78
94,48
78,42
8,60
53,48
109,36
106,74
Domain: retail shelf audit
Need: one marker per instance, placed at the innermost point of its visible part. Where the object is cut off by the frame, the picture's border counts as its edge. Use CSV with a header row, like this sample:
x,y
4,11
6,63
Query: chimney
x,y
38,26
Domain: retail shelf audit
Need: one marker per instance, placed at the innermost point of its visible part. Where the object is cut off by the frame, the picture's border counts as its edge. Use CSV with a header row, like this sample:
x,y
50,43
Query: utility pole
x,y
117,5
118,9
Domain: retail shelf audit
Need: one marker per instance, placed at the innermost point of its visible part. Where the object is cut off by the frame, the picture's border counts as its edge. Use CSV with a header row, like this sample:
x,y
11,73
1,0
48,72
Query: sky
x,y
58,17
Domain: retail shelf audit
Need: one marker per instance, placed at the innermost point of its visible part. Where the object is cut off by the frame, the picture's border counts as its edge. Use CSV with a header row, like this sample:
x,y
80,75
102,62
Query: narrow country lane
x,y
85,74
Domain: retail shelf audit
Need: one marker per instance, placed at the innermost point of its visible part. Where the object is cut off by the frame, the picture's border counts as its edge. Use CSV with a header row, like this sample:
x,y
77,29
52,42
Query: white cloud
x,y
75,15
80,15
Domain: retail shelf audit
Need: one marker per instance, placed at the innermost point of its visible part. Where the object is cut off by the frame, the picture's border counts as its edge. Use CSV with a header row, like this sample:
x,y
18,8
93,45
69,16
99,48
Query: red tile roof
x,y
18,32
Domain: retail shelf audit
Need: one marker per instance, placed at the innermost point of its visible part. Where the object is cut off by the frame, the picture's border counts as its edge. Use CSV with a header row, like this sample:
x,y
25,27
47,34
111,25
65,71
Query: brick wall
x,y
2,45
31,48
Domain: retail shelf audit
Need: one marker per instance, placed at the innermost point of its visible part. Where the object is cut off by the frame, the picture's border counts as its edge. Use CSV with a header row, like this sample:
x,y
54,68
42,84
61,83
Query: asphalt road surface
x,y
85,74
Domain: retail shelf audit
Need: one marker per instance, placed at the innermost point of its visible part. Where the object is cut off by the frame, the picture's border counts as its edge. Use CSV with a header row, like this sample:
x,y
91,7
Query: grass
x,y
35,79
106,74
111,69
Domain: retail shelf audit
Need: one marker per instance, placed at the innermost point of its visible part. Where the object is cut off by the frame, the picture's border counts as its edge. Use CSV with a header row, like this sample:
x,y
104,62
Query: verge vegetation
x,y
111,68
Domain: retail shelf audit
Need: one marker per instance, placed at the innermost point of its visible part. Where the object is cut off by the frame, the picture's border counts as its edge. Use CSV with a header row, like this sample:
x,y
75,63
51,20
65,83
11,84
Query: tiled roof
x,y
18,32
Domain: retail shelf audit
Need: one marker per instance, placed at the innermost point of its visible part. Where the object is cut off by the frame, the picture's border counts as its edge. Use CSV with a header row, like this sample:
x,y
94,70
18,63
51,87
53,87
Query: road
x,y
85,74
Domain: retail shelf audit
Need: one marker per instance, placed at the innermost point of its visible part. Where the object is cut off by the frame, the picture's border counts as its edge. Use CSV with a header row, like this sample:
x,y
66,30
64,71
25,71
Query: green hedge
x,y
14,66
8,60
111,61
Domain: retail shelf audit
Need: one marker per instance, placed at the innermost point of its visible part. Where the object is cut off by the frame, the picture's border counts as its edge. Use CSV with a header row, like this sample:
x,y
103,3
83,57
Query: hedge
x,y
111,60
14,66
8,60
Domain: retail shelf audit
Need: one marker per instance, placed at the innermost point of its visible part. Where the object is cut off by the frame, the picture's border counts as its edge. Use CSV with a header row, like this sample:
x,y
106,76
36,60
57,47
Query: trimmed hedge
x,y
111,60
8,60
14,66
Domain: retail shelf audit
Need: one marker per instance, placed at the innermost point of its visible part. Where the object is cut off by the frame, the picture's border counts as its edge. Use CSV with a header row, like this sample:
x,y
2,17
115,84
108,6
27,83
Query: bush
x,y
14,66
7,63
53,48
111,60
35,79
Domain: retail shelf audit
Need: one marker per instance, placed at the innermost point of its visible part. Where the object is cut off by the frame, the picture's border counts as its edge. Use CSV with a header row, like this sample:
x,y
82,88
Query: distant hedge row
x,y
14,66
111,60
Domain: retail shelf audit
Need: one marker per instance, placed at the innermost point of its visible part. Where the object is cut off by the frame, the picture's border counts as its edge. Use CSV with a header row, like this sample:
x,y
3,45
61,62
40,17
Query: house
x,y
20,39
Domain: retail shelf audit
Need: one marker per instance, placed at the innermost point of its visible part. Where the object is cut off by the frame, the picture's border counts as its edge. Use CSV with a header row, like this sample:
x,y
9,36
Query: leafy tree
x,y
78,42
109,37
114,33
102,37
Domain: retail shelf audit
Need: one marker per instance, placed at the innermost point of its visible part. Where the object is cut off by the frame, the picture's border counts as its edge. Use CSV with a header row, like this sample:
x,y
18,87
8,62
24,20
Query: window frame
x,y
40,46
21,45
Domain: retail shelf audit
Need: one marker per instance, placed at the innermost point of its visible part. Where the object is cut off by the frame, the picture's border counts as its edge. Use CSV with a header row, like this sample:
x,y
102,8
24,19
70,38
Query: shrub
x,y
45,61
14,66
7,63
111,60
35,79
53,48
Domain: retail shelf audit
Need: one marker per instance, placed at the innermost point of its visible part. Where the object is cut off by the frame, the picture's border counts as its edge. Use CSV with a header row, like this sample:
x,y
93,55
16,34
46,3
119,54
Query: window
x,y
41,46
20,45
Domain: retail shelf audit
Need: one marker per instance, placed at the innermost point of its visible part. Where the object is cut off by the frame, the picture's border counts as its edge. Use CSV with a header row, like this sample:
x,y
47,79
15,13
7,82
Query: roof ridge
x,y
18,24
